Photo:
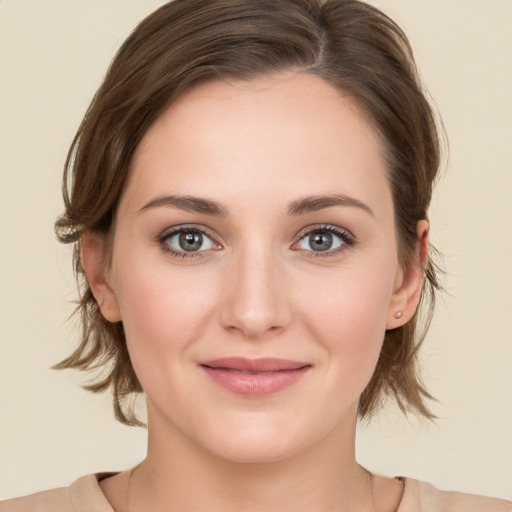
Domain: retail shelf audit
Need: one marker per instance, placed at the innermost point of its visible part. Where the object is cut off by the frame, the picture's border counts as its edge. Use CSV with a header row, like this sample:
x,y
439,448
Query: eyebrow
x,y
315,203
297,207
189,204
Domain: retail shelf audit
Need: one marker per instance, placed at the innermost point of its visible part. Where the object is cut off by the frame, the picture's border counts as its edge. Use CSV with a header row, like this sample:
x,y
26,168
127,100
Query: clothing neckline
x,y
88,485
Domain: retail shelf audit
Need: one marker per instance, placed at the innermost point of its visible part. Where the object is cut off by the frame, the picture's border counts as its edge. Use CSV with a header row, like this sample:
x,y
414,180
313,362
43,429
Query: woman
x,y
249,211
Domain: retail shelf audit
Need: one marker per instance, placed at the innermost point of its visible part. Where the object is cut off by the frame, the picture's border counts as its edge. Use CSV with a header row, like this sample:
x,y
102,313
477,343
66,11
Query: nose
x,y
255,298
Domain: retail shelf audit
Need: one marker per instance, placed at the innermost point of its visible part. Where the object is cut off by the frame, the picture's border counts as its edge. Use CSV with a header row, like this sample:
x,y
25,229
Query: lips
x,y
255,377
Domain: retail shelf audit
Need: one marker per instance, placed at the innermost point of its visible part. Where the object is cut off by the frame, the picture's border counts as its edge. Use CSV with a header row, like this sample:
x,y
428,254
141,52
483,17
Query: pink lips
x,y
254,377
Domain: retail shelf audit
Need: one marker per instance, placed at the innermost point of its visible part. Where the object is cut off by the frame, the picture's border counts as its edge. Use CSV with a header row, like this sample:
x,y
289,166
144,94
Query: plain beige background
x,y
52,57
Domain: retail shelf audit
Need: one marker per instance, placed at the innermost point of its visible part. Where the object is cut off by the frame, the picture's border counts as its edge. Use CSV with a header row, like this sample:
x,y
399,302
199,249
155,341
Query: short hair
x,y
352,46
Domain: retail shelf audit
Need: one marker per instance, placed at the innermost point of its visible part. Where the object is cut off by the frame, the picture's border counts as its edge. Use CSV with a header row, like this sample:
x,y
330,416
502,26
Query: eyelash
x,y
166,236
348,240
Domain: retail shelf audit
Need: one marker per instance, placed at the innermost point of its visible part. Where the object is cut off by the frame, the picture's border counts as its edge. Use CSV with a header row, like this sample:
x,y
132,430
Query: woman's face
x,y
254,266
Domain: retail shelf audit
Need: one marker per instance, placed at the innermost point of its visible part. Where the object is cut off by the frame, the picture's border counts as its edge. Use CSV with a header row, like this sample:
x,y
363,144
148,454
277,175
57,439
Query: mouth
x,y
255,377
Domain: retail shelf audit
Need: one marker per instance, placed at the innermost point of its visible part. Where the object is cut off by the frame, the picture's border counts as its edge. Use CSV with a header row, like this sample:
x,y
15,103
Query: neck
x,y
177,475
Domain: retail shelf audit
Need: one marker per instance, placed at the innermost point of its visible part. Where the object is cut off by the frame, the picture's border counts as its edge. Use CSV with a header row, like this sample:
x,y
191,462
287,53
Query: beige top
x,y
85,495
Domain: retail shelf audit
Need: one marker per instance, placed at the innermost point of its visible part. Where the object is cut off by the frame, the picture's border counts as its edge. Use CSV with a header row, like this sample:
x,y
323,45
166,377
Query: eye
x,y
187,242
326,239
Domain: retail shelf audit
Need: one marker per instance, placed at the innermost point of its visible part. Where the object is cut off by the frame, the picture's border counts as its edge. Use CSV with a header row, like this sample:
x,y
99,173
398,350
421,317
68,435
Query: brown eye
x,y
190,241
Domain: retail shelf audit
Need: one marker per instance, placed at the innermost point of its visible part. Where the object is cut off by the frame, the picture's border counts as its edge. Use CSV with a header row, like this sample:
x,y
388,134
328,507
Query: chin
x,y
260,450
257,440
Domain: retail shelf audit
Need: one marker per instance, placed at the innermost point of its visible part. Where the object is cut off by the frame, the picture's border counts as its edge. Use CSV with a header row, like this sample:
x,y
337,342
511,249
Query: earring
x,y
398,314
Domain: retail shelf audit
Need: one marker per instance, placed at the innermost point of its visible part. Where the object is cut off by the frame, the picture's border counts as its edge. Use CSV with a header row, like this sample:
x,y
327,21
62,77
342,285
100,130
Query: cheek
x,y
163,309
348,300
348,318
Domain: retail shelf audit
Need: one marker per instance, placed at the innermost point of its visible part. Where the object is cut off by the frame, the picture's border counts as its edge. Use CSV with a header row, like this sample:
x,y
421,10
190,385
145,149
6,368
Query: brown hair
x,y
349,44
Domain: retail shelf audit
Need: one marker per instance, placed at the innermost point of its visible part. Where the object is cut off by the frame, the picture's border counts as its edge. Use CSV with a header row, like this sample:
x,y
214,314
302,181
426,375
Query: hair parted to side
x,y
348,43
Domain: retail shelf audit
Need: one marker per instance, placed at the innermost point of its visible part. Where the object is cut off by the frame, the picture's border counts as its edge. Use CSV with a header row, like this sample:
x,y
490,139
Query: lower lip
x,y
255,384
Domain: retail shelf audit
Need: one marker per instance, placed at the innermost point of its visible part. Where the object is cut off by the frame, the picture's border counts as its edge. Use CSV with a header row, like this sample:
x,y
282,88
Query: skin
x,y
256,288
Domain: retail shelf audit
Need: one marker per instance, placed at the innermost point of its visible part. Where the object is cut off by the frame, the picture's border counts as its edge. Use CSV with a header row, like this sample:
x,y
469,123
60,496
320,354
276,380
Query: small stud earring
x,y
398,314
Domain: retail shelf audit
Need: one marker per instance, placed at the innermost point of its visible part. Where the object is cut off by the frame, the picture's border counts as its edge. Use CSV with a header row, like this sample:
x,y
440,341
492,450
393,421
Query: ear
x,y
94,260
409,281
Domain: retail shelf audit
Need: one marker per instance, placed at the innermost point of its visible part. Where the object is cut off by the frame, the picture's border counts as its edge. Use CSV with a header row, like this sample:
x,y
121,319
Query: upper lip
x,y
265,364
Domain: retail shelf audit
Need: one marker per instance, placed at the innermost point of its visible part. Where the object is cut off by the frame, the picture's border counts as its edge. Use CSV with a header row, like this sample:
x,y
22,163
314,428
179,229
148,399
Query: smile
x,y
254,377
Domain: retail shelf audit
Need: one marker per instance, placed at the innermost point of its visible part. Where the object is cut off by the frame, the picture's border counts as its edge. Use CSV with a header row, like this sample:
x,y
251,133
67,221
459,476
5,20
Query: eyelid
x,y
347,238
175,230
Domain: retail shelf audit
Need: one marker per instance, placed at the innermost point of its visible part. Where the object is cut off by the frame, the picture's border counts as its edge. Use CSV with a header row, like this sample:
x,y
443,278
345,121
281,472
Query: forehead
x,y
293,133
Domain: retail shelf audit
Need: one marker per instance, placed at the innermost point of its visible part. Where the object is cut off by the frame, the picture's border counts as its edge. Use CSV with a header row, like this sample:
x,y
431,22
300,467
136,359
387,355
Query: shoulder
x,y
83,495
55,499
424,497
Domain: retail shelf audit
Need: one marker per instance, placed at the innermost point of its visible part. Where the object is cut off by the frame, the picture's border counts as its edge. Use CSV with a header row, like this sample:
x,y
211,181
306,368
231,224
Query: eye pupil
x,y
191,241
320,241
